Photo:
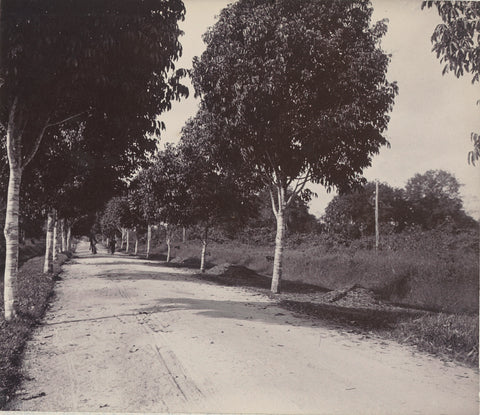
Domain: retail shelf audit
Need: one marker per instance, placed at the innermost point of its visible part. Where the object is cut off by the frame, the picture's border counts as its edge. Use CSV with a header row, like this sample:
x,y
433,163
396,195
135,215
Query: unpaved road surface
x,y
130,335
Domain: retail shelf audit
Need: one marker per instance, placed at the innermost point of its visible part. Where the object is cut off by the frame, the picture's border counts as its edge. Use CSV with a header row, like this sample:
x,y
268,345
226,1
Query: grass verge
x,y
34,289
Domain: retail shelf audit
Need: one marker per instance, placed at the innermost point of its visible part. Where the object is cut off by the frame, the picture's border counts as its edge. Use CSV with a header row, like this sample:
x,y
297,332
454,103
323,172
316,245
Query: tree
x,y
435,198
211,196
351,215
65,59
143,202
456,42
46,184
300,92
114,217
169,192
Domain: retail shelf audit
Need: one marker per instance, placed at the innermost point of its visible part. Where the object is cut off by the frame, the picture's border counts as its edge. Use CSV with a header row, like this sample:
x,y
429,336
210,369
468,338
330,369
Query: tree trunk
x,y
278,259
149,238
204,250
11,239
279,207
127,237
136,242
48,265
168,248
63,235
69,238
55,238
17,160
123,238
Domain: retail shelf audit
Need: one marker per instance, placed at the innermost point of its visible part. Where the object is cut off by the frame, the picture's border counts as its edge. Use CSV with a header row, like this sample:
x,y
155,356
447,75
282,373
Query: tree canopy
x,y
456,42
62,57
116,215
297,81
435,199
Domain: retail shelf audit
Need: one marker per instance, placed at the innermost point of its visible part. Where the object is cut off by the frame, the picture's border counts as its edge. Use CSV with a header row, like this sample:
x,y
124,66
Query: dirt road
x,y
126,334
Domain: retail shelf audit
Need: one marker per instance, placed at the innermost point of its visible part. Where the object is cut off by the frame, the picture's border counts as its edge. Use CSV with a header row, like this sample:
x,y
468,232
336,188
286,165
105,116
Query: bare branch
x,y
302,181
22,129
36,144
265,176
272,198
39,137
275,175
12,143
67,119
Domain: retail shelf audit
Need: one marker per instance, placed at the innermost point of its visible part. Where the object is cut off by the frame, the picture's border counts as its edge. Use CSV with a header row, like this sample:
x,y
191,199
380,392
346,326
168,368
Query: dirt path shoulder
x,y
125,335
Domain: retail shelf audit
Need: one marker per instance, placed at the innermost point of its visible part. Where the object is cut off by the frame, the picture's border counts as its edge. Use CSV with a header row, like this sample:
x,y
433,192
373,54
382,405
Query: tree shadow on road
x,y
352,319
240,276
233,276
189,263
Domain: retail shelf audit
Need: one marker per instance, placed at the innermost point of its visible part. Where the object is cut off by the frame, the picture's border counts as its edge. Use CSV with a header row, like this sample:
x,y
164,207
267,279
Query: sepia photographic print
x,y
239,207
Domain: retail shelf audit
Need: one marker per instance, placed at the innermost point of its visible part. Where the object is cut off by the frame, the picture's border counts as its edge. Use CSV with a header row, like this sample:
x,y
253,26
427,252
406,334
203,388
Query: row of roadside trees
x,y
168,193
291,93
81,88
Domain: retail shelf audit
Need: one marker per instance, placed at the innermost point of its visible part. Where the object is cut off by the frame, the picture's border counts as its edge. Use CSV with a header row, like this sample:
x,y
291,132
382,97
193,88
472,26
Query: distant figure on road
x,y
93,243
112,244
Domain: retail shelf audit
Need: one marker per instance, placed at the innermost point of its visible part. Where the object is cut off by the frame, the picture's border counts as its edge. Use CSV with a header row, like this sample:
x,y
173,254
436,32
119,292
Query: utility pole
x,y
377,236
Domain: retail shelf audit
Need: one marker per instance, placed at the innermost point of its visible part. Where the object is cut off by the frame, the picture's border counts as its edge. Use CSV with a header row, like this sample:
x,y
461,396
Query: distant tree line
x,y
428,201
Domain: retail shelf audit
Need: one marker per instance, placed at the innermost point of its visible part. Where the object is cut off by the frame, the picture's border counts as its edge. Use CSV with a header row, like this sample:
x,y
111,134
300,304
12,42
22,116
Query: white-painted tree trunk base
x,y
202,259
11,233
48,265
278,257
55,239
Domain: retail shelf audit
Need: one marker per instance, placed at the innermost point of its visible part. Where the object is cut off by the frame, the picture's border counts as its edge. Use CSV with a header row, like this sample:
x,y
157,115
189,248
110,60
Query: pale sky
x,y
432,118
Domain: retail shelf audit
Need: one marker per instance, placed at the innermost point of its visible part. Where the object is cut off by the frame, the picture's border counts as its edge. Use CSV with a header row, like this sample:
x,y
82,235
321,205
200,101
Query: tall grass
x,y
445,334
434,270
